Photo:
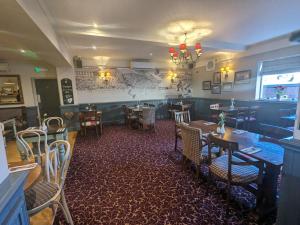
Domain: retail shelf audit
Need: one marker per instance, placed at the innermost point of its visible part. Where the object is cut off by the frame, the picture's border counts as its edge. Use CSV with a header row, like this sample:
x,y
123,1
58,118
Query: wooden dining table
x,y
33,175
271,154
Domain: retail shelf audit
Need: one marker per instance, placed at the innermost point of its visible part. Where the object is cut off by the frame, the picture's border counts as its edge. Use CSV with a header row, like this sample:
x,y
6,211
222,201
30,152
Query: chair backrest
x,y
215,106
275,132
148,115
192,143
54,120
228,146
57,168
26,151
182,117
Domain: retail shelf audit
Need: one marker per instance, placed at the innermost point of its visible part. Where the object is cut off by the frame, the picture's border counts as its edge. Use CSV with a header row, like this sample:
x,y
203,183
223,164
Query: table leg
x,y
14,127
270,185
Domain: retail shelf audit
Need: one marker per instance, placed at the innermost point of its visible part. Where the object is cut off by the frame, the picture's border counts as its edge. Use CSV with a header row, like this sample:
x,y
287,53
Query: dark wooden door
x,y
48,96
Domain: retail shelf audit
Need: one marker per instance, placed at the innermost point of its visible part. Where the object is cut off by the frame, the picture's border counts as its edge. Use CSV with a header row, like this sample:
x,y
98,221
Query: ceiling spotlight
x,y
95,25
150,54
94,47
22,50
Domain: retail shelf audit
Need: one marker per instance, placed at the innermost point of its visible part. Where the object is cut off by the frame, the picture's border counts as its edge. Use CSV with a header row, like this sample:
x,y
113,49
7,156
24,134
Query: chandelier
x,y
184,55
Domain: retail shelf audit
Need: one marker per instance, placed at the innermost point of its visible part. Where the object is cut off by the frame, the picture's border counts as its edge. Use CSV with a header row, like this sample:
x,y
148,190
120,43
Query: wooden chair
x,y
251,116
50,191
90,119
180,117
214,112
234,168
129,116
147,120
172,110
195,147
237,118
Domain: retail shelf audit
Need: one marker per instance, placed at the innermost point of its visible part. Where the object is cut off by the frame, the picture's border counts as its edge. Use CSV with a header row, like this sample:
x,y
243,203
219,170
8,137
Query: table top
x,y
232,109
51,130
33,176
271,153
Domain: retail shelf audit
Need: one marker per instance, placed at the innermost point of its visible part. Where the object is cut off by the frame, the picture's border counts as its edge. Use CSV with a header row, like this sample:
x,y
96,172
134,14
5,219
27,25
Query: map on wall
x,y
130,79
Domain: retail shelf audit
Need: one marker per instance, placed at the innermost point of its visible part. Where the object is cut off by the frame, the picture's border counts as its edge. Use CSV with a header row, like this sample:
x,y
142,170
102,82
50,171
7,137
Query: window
x,y
281,87
280,79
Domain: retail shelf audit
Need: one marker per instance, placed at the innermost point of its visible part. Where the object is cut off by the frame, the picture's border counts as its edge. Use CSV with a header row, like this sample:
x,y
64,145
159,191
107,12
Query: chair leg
x,y
69,220
64,203
228,198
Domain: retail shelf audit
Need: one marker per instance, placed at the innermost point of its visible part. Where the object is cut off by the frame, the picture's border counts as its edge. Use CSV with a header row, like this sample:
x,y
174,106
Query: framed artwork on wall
x,y
242,77
216,89
227,86
217,78
206,85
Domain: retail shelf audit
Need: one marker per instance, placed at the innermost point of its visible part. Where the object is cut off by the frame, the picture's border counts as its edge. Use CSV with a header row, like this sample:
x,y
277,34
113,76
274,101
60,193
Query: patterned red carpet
x,y
133,177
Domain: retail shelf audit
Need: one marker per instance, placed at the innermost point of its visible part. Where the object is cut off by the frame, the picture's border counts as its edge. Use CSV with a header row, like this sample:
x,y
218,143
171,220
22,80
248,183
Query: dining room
x,y
145,112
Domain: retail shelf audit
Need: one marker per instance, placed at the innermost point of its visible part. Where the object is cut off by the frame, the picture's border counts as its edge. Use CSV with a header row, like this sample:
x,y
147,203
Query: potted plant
x,y
221,124
279,91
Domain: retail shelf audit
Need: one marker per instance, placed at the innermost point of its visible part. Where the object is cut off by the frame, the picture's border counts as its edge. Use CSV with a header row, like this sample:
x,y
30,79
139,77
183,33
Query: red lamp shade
x,y
182,47
175,55
171,50
198,46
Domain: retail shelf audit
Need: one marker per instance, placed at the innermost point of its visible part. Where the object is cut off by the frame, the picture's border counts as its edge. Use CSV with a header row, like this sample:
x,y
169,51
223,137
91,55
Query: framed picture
x,y
216,89
242,77
217,78
227,86
206,85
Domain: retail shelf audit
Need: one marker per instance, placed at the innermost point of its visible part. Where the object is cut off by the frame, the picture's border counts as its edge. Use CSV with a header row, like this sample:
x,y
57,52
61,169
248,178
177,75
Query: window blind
x,y
282,65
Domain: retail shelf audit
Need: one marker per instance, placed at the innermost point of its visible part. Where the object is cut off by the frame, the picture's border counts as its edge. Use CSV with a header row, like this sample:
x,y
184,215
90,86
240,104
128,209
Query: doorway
x,y
47,96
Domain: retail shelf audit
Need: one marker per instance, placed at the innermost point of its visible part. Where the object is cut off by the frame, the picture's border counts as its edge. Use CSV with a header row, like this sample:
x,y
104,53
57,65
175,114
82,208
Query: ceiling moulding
x,y
37,12
268,46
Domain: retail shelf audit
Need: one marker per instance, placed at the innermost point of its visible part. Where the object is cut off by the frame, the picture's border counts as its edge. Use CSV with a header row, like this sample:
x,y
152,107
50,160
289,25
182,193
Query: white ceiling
x,y
132,29
17,31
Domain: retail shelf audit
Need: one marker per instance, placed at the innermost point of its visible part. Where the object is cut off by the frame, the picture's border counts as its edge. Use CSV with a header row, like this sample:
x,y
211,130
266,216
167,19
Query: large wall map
x,y
130,79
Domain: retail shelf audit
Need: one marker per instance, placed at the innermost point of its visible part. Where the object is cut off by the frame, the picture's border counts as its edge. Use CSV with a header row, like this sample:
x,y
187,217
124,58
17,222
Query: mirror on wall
x,y
10,90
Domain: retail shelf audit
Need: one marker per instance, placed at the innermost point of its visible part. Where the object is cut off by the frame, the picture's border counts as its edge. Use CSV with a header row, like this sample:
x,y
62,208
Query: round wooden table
x,y
33,175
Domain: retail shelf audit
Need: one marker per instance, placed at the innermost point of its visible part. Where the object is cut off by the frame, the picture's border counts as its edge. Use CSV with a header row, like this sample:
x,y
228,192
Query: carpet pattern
x,y
133,177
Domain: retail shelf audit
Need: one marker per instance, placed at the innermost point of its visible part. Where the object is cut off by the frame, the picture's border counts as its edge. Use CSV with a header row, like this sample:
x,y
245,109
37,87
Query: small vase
x,y
221,130
44,127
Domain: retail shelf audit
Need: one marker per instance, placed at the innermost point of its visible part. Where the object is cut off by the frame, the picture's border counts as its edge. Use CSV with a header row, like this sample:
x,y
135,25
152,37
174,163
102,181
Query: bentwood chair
x,y
235,168
147,121
50,191
180,117
195,147
34,151
55,120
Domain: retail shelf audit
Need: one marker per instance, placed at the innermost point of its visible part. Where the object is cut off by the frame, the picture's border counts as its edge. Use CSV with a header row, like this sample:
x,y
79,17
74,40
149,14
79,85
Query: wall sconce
x,y
105,76
172,76
225,71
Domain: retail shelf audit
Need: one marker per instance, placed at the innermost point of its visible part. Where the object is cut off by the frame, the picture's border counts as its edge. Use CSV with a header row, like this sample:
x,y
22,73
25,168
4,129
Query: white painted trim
x,y
297,122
